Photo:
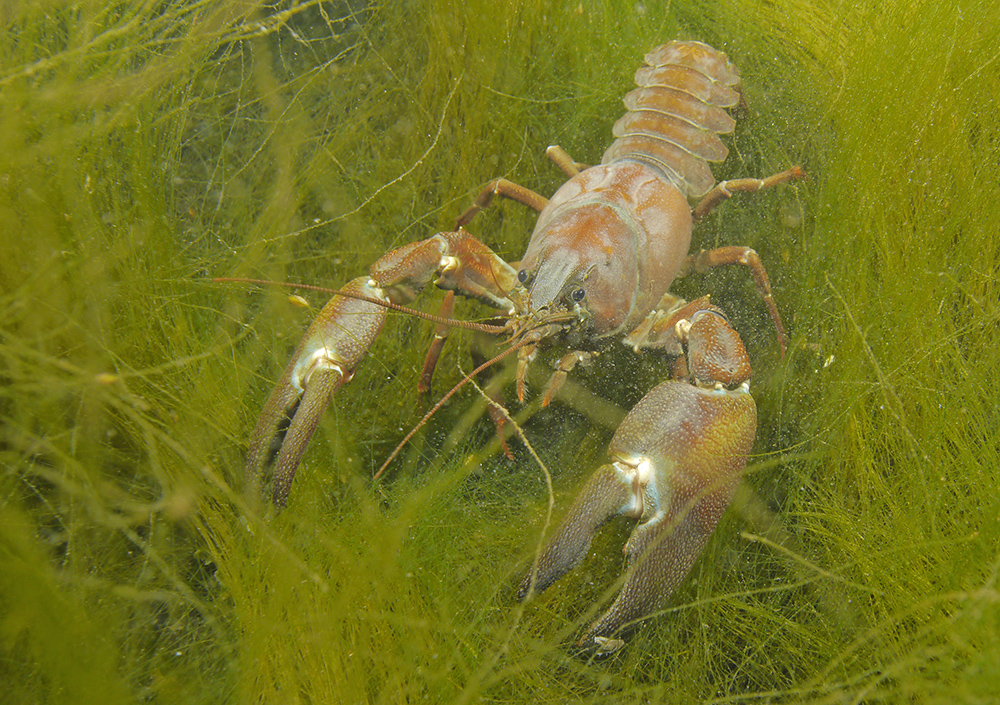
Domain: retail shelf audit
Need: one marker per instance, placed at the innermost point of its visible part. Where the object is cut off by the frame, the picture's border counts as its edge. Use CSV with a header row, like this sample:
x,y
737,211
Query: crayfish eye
x,y
577,294
523,276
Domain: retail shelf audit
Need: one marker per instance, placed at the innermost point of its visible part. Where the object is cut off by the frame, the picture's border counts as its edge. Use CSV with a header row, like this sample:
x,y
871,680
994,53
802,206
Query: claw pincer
x,y
345,329
331,349
676,460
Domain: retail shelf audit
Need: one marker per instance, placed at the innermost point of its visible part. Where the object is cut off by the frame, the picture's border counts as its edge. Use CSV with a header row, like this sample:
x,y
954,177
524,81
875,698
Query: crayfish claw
x,y
606,494
676,460
323,384
332,347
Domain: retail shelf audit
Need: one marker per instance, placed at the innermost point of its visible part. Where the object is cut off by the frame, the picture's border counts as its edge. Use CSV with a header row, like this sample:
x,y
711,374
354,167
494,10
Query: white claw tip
x,y
644,471
603,646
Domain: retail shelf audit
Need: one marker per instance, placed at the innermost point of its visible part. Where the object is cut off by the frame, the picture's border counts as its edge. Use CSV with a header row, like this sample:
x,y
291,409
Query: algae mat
x,y
151,146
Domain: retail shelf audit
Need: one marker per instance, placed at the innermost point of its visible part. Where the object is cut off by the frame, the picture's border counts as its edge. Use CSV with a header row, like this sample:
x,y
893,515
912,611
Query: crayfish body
x,y
607,240
598,267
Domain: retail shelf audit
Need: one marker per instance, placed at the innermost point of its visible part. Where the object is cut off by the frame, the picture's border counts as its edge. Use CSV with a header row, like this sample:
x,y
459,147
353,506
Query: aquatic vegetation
x,y
151,146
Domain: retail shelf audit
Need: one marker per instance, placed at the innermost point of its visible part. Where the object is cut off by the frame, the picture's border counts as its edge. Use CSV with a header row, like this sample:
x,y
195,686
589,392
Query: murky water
x,y
149,148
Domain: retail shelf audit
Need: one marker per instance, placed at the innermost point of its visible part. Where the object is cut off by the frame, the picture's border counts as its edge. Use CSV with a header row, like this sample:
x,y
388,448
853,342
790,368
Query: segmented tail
x,y
677,113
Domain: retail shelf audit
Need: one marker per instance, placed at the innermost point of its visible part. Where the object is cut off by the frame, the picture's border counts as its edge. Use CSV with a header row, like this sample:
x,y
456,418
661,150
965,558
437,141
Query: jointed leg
x,y
507,189
565,365
434,351
725,189
560,157
707,259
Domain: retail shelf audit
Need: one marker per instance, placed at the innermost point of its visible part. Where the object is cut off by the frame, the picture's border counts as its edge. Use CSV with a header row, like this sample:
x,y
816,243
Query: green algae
x,y
149,147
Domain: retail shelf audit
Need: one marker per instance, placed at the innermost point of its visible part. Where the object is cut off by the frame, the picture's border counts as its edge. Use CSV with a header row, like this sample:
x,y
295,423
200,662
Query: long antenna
x,y
445,398
455,323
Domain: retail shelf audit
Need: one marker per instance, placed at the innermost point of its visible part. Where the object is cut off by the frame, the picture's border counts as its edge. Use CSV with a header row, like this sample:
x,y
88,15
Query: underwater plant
x,y
149,147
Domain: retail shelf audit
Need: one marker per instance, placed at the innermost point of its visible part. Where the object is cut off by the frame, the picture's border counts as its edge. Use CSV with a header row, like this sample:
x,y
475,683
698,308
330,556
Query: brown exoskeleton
x,y
598,267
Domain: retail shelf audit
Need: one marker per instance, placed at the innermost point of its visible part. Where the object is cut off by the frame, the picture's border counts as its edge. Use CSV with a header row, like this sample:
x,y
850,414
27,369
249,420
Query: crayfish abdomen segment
x,y
675,116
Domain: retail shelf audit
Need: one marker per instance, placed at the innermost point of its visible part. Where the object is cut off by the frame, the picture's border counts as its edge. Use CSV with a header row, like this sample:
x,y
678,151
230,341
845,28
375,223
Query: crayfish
x,y
605,250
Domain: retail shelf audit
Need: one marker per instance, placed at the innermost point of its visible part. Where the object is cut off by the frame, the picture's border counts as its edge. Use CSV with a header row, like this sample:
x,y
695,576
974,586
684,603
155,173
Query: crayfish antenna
x,y
440,320
465,380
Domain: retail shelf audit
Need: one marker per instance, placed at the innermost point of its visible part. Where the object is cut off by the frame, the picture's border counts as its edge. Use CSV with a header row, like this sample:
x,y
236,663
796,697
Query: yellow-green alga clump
x,y
150,147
